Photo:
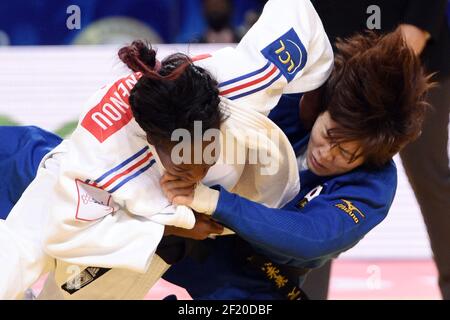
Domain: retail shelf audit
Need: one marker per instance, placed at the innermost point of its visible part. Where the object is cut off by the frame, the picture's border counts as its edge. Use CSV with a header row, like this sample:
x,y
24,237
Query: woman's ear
x,y
310,107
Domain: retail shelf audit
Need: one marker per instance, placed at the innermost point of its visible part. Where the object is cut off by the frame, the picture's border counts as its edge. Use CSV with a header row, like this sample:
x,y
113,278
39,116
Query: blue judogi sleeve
x,y
21,151
344,212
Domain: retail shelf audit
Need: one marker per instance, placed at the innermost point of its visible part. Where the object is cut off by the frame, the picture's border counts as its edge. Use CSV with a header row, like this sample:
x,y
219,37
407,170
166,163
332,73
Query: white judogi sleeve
x,y
108,191
286,51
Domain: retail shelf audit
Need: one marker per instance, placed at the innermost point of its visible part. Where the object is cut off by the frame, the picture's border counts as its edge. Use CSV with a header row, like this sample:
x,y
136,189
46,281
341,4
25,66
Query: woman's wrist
x,y
205,199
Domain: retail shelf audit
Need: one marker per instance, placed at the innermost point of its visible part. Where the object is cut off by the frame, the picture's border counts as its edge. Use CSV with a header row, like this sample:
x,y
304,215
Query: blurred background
x,y
41,22
66,22
55,53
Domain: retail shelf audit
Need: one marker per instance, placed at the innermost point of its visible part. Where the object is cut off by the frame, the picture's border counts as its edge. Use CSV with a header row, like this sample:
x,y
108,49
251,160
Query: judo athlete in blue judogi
x,y
329,216
370,108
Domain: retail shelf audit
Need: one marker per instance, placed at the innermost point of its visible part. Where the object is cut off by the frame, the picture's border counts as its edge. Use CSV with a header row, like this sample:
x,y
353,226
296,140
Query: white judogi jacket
x,y
108,210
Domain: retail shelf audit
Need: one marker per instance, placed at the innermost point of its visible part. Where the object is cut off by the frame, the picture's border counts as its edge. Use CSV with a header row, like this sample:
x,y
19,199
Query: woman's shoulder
x,y
365,180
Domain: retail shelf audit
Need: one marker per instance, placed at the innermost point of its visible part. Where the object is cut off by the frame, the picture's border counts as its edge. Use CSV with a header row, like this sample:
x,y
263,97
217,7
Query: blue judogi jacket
x,y
328,216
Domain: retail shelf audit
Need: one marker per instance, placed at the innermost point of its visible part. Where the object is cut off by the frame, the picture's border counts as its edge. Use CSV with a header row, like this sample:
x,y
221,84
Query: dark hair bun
x,y
138,56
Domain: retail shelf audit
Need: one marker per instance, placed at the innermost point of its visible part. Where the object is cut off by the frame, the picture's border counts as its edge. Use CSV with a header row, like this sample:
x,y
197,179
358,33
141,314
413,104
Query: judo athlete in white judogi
x,y
102,214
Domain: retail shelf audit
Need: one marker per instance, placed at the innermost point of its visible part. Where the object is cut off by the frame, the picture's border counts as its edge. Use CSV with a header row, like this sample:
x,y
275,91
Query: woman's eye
x,y
347,156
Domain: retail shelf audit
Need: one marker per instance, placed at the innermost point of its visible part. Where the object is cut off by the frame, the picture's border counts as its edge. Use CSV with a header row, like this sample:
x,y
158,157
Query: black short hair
x,y
377,94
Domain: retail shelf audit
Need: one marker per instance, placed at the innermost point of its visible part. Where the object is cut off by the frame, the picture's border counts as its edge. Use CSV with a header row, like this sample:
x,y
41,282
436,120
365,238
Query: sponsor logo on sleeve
x,y
288,53
351,210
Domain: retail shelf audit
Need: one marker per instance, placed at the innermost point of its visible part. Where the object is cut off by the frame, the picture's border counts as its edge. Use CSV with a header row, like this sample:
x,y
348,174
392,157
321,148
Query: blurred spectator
x,y
251,16
218,15
193,22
